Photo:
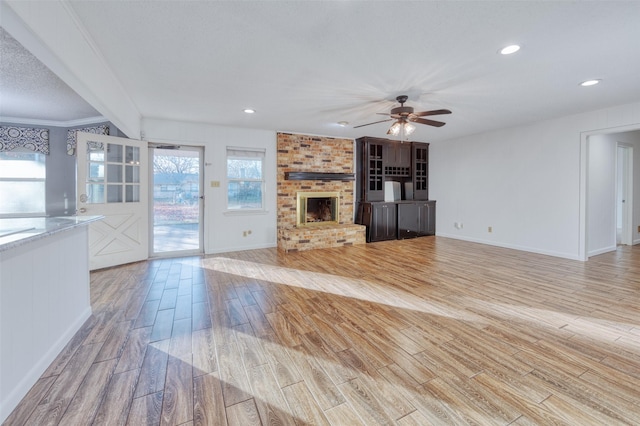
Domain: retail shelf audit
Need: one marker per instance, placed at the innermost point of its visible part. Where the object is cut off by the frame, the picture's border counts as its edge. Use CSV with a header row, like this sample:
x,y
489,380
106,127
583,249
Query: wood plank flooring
x,y
414,332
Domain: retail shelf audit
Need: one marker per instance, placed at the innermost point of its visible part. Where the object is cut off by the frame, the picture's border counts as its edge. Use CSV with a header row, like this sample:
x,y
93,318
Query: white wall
x,y
525,182
224,230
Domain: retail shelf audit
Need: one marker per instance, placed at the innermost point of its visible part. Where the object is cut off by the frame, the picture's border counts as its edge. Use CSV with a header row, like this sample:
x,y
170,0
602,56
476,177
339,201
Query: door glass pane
x,y
96,172
132,155
132,193
176,203
132,174
114,193
95,152
95,193
114,173
114,153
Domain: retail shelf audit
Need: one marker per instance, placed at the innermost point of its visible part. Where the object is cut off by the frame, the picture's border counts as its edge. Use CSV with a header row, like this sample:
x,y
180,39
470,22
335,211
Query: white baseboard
x,y
249,247
602,251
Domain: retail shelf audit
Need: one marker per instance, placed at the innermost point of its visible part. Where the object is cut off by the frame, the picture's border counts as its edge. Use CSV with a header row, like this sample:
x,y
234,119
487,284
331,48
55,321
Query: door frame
x,y
201,204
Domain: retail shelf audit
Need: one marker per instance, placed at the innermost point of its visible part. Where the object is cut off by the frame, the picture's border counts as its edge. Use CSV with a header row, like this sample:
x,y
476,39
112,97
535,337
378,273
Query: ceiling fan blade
x,y
394,116
375,122
434,112
427,122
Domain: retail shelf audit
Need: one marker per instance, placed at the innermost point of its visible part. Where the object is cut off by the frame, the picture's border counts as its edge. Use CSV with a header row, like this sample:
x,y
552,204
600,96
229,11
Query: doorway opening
x,y
176,202
601,211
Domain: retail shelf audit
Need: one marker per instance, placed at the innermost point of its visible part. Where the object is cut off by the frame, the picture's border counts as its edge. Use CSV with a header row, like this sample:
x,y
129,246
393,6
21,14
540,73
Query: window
x,y
113,175
22,184
245,179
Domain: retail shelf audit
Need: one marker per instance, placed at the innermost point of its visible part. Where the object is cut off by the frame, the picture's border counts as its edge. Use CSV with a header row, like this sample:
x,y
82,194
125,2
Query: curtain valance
x,y
13,137
72,136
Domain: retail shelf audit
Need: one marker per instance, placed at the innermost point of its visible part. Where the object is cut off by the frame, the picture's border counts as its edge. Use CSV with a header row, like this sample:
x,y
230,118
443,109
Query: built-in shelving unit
x,y
407,215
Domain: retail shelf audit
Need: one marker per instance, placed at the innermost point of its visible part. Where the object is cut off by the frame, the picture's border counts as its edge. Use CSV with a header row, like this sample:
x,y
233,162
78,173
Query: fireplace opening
x,y
318,208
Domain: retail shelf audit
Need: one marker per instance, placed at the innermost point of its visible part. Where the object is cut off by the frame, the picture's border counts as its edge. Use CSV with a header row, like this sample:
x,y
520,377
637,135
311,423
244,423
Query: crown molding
x,y
54,123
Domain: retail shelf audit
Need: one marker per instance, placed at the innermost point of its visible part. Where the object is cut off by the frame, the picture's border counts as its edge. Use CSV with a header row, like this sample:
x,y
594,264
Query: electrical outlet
x,y
490,229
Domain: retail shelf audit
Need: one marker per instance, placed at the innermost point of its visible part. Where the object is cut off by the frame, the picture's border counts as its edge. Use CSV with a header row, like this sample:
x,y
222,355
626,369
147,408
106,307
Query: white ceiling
x,y
305,65
30,91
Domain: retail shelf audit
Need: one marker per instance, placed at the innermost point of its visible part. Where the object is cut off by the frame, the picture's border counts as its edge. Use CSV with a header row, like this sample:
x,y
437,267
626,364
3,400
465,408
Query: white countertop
x,y
17,231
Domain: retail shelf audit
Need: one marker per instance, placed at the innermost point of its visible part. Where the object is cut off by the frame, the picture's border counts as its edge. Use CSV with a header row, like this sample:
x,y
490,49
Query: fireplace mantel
x,y
318,176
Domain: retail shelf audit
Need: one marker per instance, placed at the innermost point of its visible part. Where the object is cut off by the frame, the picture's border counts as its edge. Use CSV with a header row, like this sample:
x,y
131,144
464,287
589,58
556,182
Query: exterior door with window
x,y
177,200
112,180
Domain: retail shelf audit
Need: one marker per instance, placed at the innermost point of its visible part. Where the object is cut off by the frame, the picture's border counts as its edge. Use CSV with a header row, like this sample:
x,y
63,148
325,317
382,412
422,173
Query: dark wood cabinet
x,y
397,159
416,219
420,165
379,161
381,221
427,218
370,170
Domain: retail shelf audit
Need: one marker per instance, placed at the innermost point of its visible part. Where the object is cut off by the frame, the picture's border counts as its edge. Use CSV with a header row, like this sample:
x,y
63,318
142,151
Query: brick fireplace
x,y
305,153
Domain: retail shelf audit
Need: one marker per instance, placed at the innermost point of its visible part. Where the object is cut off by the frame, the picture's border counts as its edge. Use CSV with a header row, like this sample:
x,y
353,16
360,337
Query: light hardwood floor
x,y
414,332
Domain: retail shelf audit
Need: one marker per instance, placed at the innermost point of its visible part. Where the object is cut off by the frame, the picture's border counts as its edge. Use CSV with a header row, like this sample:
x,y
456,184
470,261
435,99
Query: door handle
x,y
82,210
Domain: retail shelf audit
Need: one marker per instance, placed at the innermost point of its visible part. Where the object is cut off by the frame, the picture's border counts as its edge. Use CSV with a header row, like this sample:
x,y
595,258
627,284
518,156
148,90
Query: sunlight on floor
x,y
342,286
589,327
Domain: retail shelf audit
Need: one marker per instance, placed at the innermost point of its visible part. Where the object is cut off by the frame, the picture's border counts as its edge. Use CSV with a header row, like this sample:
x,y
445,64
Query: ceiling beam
x,y
52,32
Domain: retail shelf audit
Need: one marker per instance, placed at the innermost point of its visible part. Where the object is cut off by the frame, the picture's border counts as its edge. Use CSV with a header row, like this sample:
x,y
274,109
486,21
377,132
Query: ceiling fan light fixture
x,y
409,128
394,129
401,127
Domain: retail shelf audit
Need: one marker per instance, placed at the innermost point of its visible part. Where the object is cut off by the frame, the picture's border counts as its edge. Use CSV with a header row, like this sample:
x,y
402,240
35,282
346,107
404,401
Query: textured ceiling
x,y
30,91
305,65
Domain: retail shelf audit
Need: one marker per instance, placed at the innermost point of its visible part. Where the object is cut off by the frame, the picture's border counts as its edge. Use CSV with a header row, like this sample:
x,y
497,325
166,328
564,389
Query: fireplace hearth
x,y
317,208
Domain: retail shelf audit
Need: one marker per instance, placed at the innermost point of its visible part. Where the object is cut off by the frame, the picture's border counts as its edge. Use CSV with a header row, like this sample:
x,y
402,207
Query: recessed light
x,y
587,83
343,123
509,49
249,110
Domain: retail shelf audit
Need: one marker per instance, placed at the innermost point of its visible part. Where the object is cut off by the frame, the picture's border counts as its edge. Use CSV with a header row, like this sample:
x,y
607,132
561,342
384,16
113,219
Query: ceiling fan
x,y
404,116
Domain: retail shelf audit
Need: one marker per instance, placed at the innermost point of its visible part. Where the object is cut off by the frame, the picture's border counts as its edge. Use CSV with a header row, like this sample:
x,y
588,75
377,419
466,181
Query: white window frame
x,y
249,154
